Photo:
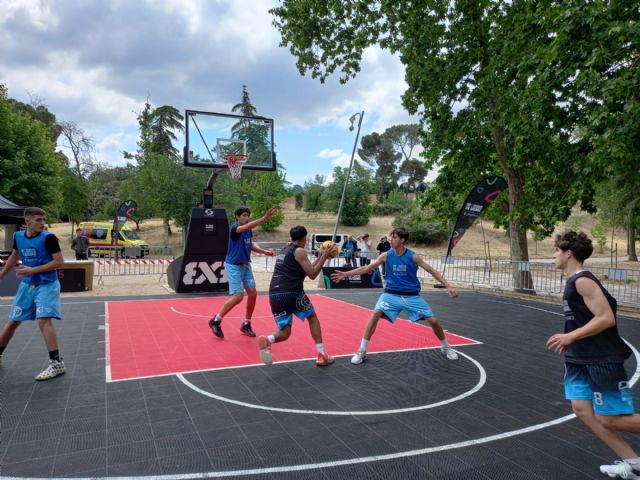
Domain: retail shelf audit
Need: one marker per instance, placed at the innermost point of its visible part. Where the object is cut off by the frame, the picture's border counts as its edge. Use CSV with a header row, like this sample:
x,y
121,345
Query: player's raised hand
x,y
270,213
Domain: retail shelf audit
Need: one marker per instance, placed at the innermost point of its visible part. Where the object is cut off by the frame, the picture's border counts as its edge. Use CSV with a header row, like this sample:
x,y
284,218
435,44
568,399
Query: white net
x,y
235,162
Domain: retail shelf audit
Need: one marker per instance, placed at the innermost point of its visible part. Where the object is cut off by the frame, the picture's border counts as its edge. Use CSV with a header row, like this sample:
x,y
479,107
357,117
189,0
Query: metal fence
x,y
111,268
539,277
496,273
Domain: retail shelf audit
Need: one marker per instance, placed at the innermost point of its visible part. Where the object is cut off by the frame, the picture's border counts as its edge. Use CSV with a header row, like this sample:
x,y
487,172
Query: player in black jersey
x,y
287,297
595,379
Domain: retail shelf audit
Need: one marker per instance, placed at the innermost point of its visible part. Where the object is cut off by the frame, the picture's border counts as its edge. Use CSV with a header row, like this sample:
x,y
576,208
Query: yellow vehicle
x,y
102,240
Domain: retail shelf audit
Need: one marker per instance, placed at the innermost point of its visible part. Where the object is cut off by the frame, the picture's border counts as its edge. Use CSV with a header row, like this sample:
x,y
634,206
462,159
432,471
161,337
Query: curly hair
x,y
401,233
578,243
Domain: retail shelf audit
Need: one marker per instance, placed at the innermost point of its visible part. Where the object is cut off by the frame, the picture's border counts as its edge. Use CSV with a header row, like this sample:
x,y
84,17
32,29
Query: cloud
x,y
95,63
330,153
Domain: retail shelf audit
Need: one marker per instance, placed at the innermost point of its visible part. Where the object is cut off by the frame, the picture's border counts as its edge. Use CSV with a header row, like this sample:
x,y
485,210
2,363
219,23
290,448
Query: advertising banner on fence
x,y
480,197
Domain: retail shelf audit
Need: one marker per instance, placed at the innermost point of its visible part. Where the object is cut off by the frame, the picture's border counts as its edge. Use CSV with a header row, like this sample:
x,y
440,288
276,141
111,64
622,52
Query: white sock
x,y
364,344
633,461
271,338
218,318
247,320
320,347
445,344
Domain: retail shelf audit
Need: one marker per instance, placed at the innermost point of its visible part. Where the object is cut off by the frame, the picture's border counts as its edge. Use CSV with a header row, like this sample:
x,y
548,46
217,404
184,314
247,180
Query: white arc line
x,y
478,386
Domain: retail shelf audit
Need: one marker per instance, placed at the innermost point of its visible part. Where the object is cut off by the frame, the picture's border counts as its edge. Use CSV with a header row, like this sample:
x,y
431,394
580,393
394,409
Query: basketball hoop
x,y
235,162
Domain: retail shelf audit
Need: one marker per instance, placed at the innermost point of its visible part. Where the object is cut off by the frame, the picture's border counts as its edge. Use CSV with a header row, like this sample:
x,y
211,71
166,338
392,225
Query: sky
x,y
95,63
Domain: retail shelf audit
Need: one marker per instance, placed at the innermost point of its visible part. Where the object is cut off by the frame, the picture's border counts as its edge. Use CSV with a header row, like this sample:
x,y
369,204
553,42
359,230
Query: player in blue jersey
x,y
238,268
38,296
595,380
402,292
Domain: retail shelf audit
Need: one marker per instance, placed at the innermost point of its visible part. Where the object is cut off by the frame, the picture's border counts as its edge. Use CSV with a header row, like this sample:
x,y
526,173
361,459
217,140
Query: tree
x,y
82,148
75,196
254,134
479,76
415,172
356,210
378,150
37,110
598,45
618,206
31,170
268,192
164,182
314,194
404,138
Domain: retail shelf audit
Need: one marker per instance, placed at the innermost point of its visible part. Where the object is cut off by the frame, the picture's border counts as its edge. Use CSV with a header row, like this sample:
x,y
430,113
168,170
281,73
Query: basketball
x,y
331,246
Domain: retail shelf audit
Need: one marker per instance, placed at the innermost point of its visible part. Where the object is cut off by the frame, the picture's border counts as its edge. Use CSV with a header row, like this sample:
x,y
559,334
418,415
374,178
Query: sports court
x,y
151,393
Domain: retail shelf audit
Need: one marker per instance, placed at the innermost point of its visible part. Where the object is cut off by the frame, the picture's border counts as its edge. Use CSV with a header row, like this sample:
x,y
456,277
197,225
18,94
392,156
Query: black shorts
x,y
289,302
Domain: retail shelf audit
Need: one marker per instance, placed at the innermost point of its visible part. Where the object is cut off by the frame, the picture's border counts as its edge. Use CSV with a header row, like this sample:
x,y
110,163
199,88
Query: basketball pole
x,y
346,180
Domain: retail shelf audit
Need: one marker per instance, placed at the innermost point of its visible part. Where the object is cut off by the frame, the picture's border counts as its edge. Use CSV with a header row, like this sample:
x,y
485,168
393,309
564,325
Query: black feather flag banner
x,y
480,197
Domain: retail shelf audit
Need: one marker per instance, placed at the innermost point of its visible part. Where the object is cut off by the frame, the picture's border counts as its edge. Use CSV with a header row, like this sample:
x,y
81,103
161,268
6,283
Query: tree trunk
x,y
631,241
165,243
522,280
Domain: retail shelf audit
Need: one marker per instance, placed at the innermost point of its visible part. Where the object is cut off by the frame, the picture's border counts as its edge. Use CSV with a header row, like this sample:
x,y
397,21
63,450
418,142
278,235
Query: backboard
x,y
209,136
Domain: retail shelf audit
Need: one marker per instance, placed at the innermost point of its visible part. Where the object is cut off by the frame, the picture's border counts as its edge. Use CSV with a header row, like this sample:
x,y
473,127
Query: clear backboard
x,y
210,136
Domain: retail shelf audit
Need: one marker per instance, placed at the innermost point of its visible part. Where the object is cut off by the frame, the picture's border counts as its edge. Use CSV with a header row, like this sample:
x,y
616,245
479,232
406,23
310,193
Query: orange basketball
x,y
331,246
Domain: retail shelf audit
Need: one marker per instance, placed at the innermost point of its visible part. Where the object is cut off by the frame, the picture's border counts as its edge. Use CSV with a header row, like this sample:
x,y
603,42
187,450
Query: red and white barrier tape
x,y
2,262
133,262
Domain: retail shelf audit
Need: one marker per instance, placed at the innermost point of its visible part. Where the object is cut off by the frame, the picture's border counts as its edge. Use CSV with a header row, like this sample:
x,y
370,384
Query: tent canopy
x,y
10,213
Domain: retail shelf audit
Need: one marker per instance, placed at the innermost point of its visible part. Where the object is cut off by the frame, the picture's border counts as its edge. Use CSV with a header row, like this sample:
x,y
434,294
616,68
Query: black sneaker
x,y
216,328
247,330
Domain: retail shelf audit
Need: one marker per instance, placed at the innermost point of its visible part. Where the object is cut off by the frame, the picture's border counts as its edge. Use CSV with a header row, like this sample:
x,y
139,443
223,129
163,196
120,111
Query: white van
x,y
316,239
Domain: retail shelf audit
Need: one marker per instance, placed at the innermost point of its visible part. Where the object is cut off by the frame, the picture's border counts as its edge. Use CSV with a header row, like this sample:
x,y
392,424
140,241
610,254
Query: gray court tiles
x,y
496,413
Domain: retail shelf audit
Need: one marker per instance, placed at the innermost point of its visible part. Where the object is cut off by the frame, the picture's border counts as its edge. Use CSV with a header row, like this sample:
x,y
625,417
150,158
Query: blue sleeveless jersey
x,y
402,273
239,250
33,253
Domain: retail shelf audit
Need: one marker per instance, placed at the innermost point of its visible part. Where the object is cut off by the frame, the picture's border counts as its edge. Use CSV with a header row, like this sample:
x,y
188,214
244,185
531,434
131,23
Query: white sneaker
x,y
620,469
449,352
359,357
54,369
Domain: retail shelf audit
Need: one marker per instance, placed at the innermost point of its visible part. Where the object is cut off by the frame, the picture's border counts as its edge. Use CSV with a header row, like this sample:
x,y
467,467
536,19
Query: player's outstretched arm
x,y
256,248
253,224
338,275
435,274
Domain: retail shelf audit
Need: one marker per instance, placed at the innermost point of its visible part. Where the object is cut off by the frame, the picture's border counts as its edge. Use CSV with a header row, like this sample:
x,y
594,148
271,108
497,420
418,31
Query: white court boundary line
x,y
352,461
478,386
209,316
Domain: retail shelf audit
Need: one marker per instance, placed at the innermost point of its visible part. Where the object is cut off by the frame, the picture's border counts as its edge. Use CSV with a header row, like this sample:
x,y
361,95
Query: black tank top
x,y
605,347
288,275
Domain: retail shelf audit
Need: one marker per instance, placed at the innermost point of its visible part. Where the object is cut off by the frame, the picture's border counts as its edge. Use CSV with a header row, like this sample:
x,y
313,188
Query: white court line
x,y
478,386
209,316
528,306
349,461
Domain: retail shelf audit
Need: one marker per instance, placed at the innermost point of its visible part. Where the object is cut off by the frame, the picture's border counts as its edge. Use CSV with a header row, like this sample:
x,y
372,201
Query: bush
x,y
313,197
394,202
421,228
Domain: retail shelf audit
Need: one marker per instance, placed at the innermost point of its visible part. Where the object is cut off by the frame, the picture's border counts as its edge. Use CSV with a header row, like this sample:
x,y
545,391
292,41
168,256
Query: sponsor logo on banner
x,y
196,273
